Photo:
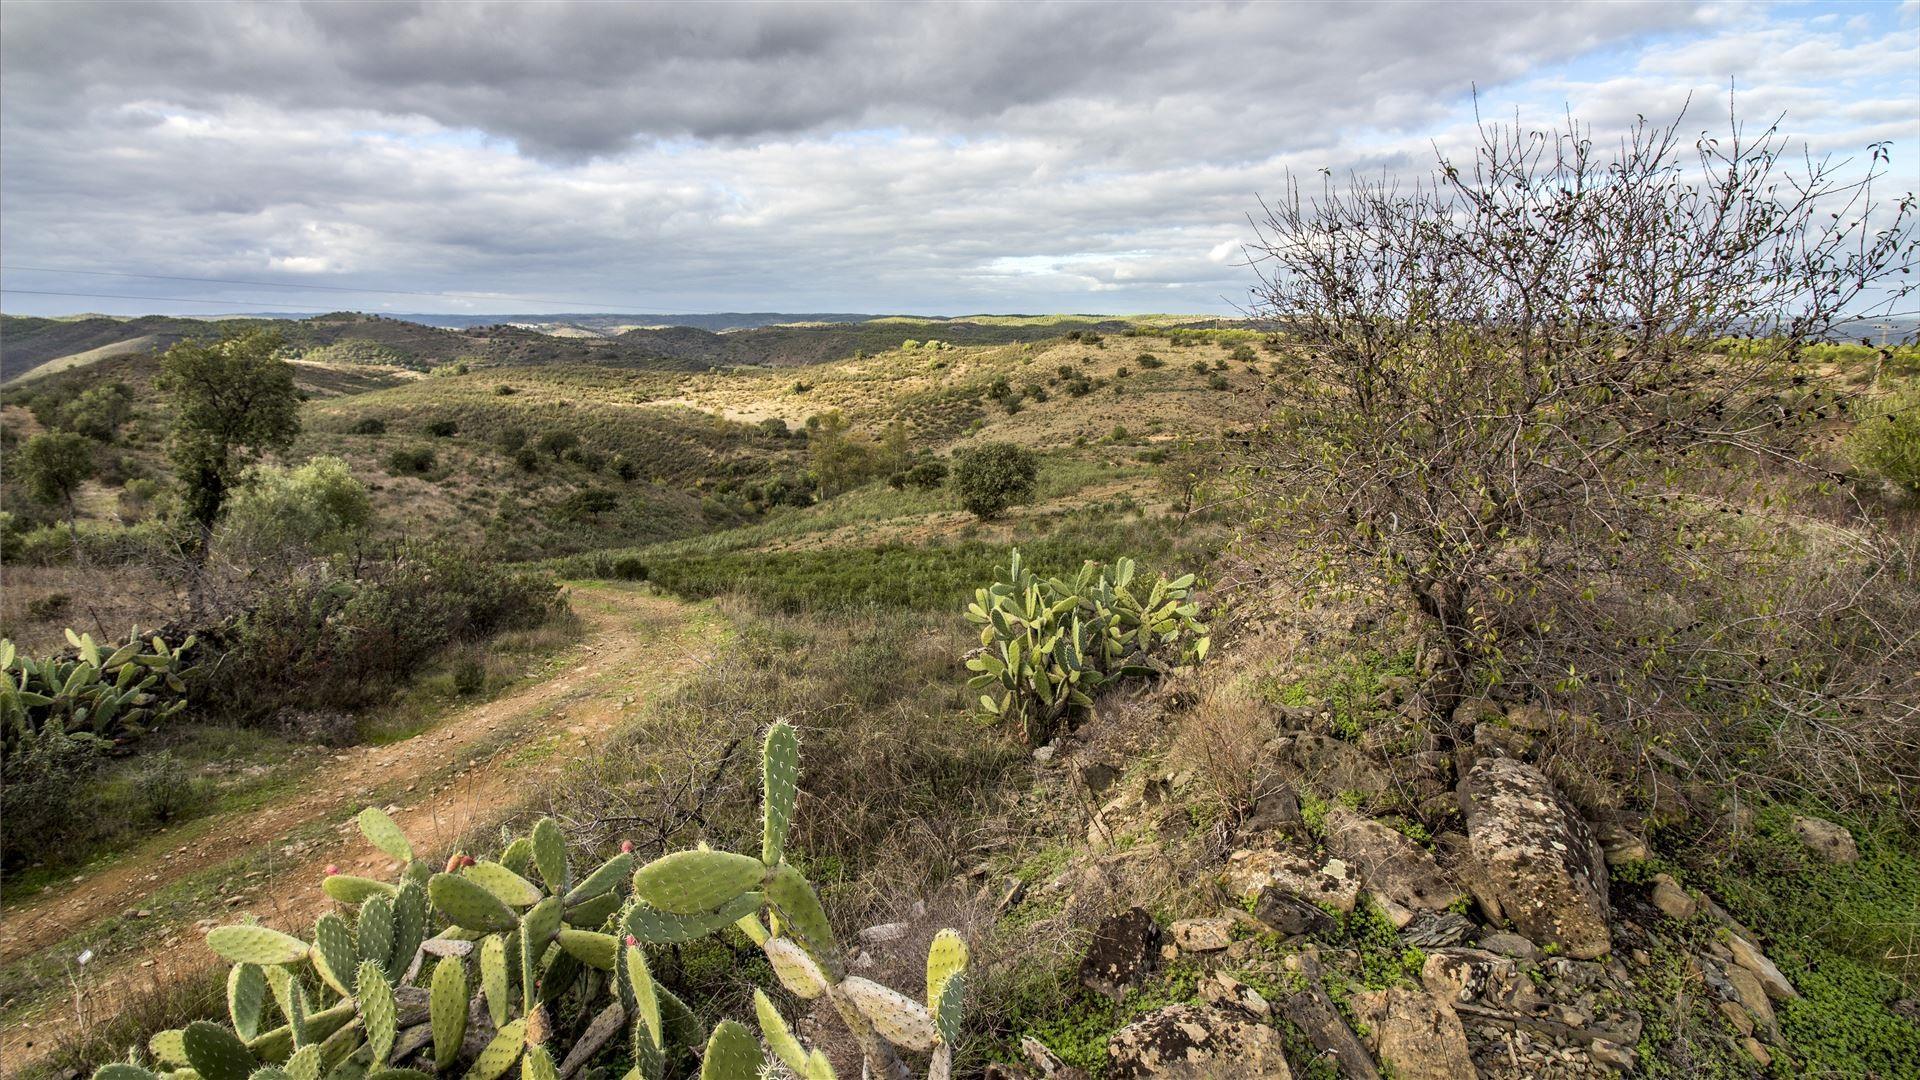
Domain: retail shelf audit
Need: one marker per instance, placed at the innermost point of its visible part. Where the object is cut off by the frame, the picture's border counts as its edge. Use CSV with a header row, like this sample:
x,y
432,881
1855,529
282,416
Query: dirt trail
x,y
469,771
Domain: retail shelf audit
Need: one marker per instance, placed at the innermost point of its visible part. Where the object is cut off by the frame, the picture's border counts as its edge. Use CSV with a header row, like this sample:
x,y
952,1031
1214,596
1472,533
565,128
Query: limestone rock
x,y
1749,956
1124,948
1416,1035
1187,1042
1747,987
1513,945
1827,840
1202,935
1389,862
1223,991
1672,900
1334,883
1532,860
1336,765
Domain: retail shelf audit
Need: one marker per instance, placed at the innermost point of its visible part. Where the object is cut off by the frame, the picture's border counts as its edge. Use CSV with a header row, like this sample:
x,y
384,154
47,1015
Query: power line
x,y
579,305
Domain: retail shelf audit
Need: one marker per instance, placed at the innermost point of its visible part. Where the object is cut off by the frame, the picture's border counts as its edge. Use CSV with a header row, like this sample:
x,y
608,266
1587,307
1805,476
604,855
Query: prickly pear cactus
x,y
112,695
385,989
1049,645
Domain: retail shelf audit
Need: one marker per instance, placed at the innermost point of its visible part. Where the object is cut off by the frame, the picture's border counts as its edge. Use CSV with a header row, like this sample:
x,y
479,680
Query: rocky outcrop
x,y
1332,883
1202,935
1189,1042
1417,1035
1531,859
1388,862
1124,949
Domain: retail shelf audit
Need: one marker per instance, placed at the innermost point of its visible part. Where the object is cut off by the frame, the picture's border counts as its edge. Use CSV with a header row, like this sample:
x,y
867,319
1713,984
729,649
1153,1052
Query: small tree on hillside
x,y
233,400
993,476
1499,377
53,465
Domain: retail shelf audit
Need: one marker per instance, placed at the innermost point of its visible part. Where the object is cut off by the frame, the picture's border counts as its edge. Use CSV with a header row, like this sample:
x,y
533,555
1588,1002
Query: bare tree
x,y
1505,378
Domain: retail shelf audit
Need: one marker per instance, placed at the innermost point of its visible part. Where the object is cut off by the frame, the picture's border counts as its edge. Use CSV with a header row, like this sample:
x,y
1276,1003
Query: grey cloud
x,y
570,81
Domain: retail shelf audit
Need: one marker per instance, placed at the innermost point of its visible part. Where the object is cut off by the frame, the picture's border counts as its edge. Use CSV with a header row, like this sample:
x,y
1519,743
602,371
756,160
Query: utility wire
x,y
578,305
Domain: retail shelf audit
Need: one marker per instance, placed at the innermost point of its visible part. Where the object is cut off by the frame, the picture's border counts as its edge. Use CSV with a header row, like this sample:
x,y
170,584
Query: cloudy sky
x,y
942,159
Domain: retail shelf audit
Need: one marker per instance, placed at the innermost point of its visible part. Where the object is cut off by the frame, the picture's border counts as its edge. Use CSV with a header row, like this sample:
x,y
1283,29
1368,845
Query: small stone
x,y
1511,945
1756,1051
1746,985
1288,914
1672,900
1044,754
1749,956
884,933
1203,935
1741,1019
1229,993
1333,883
1613,1055
1827,840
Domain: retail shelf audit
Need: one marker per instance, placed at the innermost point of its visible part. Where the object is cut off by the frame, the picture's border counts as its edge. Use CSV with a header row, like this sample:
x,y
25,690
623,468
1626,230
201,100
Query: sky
x,y
937,159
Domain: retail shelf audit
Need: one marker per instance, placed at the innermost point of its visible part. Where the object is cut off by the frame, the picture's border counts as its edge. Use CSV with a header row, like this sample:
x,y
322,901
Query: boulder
x,y
1277,811
1417,1036
1505,944
1309,1009
1124,948
1285,913
1438,929
1336,765
1332,883
1479,977
1188,1042
1389,862
1223,991
1532,860
1827,840
1202,935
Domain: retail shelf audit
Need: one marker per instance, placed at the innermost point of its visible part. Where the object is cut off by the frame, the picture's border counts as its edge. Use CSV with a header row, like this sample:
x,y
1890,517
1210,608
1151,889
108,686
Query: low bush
x,y
328,637
441,429
991,477
1886,440
412,461
368,425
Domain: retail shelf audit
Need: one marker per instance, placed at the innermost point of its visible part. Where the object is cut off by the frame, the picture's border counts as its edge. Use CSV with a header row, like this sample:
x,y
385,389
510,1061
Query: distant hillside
x,y
616,323
30,343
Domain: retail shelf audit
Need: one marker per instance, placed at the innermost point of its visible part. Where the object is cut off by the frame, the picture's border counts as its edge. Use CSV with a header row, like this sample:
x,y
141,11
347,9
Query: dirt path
x,y
469,771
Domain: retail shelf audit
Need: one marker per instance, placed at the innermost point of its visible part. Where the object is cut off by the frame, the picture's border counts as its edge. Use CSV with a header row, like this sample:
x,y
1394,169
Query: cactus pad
x,y
512,889
493,977
255,945
592,914
447,1010
795,969
385,835
591,949
168,1048
654,927
470,906
779,782
217,1053
373,931
946,957
334,955
898,1018
691,882
378,1011
349,889
550,855
246,998
602,881
778,1037
732,1054
537,1065
799,909
304,1064
501,1053
120,1070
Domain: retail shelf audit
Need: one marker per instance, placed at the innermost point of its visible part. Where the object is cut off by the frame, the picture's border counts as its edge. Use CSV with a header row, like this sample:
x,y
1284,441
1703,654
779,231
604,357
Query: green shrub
x,y
557,443
1887,440
526,459
1242,353
1217,381
368,425
1149,361
411,461
317,507
48,800
441,429
991,477
503,390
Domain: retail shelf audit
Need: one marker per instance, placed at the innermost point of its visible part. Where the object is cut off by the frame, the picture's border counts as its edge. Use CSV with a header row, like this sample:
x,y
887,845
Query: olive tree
x,y
53,465
993,476
233,400
1501,377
